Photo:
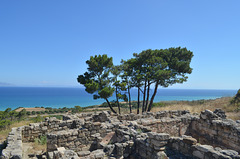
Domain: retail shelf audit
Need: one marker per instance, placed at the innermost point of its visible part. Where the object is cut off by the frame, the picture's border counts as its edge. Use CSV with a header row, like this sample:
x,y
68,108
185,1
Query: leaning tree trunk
x,y
138,100
144,95
110,106
148,91
153,96
119,111
129,98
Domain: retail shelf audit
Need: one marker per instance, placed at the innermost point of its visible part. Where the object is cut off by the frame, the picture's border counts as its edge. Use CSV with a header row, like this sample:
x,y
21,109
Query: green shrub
x,y
78,109
159,104
59,117
236,99
139,131
37,119
42,140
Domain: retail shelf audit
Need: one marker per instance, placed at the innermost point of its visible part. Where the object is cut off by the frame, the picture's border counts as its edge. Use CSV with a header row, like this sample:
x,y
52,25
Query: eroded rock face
x,y
167,134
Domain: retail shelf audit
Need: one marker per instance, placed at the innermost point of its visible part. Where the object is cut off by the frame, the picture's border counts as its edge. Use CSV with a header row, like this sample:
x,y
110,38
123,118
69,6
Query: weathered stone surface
x,y
231,153
14,144
189,140
133,136
220,113
83,153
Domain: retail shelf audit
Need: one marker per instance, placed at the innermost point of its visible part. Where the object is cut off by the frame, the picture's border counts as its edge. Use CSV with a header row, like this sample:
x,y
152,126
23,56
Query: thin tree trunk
x,y
129,98
118,101
110,106
153,96
138,100
148,91
144,96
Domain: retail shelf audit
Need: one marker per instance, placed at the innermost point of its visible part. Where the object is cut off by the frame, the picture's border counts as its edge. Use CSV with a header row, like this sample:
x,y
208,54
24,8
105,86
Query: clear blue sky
x,y
46,42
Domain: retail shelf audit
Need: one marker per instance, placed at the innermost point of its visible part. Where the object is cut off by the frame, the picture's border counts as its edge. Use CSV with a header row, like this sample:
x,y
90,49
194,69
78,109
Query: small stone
x,y
190,141
204,148
162,136
230,153
83,153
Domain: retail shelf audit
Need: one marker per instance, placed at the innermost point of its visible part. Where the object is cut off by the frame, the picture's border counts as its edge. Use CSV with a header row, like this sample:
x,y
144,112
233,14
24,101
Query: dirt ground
x,y
33,149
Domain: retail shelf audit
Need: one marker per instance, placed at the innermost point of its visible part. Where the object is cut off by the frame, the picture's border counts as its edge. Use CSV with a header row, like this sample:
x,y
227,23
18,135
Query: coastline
x,y
70,97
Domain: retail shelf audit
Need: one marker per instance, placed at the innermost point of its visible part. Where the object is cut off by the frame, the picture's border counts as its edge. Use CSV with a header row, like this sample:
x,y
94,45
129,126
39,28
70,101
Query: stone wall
x,y
80,139
14,145
211,129
34,130
177,146
151,145
176,126
157,115
151,135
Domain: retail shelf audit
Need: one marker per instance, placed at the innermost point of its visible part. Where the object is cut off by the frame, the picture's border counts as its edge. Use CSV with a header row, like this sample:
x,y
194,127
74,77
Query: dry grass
x,y
192,106
31,109
37,147
4,133
95,109
233,115
223,103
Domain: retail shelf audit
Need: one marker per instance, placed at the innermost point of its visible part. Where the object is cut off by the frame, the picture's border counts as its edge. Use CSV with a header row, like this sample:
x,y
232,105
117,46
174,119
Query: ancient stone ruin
x,y
161,135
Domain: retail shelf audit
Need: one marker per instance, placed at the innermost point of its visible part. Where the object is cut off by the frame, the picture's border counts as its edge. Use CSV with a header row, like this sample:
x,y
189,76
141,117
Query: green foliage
x,y
59,117
97,80
139,131
9,116
22,114
78,109
42,140
236,99
5,123
37,119
162,67
159,104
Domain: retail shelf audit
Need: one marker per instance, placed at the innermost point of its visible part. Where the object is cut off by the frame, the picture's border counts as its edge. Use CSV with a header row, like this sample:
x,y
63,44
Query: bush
x,y
56,110
236,99
37,119
59,117
4,124
160,104
33,112
42,140
78,109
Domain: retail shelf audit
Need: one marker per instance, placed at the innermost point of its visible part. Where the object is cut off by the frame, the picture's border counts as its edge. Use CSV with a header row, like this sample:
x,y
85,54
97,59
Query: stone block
x,y
189,140
83,153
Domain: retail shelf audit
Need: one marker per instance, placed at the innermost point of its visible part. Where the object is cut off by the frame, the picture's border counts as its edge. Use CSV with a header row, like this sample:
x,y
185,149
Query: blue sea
x,y
14,97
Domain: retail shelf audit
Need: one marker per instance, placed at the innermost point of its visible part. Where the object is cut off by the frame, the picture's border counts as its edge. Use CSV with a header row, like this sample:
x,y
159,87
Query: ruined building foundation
x,y
161,135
